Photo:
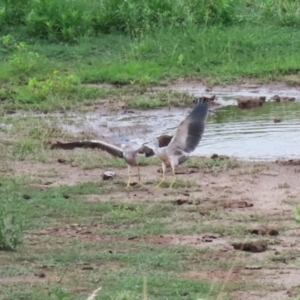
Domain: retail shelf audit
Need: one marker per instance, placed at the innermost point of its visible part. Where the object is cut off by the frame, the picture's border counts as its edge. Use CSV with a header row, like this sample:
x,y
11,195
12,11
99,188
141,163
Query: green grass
x,y
119,265
81,245
59,55
50,50
94,234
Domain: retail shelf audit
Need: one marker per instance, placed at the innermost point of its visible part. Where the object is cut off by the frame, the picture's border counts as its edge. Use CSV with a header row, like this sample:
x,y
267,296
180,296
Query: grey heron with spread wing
x,y
185,140
127,152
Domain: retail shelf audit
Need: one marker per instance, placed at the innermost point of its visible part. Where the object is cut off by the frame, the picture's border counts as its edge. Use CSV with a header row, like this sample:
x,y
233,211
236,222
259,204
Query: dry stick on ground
x,y
220,295
63,275
145,297
128,153
94,294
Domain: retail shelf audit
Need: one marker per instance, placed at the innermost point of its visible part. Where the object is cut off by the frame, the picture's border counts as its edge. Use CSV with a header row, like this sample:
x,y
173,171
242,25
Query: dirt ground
x,y
246,210
266,193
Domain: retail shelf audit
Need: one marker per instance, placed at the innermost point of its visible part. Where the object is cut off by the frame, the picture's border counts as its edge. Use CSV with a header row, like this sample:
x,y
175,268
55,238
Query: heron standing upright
x,y
127,152
185,140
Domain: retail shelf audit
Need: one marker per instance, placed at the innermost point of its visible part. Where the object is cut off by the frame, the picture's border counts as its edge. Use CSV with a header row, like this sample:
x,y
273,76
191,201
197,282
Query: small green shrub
x,y
59,20
69,20
10,229
285,12
133,16
298,214
25,147
13,12
57,84
23,61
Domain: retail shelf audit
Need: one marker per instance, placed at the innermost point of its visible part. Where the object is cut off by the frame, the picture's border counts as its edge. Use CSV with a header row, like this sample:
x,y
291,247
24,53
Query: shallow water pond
x,y
247,134
229,131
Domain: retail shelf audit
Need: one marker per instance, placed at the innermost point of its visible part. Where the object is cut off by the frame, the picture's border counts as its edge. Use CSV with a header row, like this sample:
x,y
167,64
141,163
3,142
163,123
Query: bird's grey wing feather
x,y
92,144
109,148
190,130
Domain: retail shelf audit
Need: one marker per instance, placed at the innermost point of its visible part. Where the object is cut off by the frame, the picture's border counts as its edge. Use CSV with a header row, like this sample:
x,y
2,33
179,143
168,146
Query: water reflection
x,y
253,133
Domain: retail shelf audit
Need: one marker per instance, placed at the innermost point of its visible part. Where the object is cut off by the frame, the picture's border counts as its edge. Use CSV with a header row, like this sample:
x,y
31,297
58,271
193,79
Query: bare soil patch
x,y
269,191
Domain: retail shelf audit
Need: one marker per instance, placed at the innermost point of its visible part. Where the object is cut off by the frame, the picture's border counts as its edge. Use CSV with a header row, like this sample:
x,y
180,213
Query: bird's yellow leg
x,y
174,178
164,177
173,181
129,178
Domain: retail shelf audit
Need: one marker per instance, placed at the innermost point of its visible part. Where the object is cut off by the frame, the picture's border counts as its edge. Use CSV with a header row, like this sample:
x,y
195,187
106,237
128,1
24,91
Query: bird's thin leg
x,y
139,175
164,172
174,175
129,178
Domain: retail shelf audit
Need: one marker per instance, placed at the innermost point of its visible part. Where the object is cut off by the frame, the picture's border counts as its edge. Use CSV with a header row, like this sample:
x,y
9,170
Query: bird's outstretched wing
x,y
92,144
190,130
163,141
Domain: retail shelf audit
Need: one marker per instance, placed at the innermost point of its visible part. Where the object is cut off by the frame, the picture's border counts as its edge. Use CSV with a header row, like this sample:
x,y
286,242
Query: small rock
x,y
264,231
10,111
40,275
221,157
289,162
208,99
278,99
207,240
250,102
258,246
288,99
47,182
211,236
127,111
62,161
254,267
182,201
237,204
107,175
87,268
270,173
44,267
275,98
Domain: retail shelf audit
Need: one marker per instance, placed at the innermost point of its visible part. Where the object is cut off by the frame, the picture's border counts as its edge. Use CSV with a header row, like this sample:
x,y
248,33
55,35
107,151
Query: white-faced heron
x,y
186,139
127,152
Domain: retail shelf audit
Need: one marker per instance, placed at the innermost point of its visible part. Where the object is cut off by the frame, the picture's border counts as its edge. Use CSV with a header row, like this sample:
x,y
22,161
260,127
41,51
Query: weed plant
x,y
50,49
69,20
